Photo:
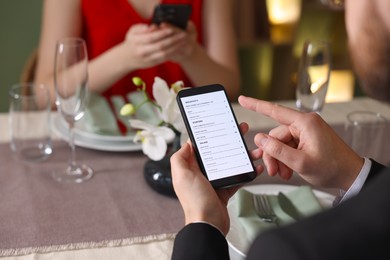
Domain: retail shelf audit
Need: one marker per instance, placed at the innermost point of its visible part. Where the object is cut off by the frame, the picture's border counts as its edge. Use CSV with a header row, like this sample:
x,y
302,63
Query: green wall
x,y
20,22
20,27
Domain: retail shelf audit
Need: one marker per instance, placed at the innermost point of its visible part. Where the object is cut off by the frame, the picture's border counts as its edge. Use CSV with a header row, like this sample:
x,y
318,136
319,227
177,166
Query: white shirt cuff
x,y
357,185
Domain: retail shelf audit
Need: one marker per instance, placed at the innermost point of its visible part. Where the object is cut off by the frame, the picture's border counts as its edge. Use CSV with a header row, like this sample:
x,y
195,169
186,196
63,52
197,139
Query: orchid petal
x,y
170,111
155,148
161,91
165,132
139,124
166,99
178,123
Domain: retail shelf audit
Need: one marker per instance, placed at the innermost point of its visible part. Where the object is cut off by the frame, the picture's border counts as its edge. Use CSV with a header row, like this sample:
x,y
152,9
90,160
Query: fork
x,y
264,209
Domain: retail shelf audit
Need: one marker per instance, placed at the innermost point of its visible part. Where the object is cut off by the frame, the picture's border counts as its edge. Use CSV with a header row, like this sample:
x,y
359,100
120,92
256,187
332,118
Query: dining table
x,y
116,214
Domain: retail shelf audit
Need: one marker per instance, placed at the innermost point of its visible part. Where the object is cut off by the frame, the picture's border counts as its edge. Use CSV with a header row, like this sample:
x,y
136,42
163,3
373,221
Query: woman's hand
x,y
149,45
187,45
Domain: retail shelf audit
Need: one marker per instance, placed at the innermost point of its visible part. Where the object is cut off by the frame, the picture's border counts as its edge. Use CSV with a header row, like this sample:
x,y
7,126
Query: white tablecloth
x,y
333,113
161,247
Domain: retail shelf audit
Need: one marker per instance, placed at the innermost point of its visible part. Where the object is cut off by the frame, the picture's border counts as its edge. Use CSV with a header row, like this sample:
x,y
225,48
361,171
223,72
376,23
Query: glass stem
x,y
72,163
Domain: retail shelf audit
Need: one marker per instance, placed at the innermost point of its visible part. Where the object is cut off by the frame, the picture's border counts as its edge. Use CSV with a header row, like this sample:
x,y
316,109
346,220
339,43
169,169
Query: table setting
x,y
58,203
97,132
288,203
97,182
116,211
110,211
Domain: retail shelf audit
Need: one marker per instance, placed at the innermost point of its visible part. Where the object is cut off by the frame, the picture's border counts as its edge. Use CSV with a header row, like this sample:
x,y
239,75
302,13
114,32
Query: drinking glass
x,y
367,131
70,80
313,76
30,108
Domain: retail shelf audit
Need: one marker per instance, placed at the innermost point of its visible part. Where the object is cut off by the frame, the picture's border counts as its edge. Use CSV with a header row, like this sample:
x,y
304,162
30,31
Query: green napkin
x,y
147,112
300,201
100,118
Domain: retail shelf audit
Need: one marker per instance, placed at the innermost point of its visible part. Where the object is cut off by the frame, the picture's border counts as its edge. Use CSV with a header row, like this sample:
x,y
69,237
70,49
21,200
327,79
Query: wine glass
x,y
70,80
313,76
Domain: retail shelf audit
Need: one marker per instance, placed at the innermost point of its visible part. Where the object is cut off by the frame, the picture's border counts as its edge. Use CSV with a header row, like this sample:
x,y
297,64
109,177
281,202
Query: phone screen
x,y
213,128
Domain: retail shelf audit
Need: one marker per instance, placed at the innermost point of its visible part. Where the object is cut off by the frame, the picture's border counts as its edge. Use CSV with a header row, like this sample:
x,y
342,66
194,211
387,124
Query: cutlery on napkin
x,y
288,207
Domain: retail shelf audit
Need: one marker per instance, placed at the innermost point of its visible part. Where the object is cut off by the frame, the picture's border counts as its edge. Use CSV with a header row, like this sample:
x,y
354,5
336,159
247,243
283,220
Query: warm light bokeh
x,y
283,16
341,86
283,11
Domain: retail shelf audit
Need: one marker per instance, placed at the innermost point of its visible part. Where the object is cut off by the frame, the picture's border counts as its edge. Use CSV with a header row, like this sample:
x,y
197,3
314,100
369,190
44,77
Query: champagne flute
x,y
70,80
313,76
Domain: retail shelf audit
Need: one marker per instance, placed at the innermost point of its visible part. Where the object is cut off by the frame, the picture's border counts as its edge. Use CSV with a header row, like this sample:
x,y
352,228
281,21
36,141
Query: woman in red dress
x,y
122,43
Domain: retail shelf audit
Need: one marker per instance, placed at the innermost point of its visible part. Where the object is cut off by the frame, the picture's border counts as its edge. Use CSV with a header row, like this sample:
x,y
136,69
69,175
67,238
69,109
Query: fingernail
x,y
263,141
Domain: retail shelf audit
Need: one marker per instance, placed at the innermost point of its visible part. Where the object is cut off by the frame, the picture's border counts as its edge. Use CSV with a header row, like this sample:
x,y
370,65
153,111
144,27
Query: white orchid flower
x,y
154,138
165,97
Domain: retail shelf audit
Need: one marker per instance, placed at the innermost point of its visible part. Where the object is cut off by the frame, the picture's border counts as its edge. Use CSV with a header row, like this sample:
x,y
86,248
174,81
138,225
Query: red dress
x,y
106,24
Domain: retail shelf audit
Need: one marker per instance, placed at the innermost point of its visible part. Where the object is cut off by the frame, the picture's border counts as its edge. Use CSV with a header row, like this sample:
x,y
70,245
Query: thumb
x,y
191,26
279,151
183,154
139,28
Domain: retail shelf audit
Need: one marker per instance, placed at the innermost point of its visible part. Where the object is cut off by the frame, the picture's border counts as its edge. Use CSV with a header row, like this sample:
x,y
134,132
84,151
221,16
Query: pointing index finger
x,y
280,114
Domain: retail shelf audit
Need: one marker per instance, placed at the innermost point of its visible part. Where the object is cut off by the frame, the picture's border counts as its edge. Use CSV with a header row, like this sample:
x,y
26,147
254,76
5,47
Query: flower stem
x,y
146,100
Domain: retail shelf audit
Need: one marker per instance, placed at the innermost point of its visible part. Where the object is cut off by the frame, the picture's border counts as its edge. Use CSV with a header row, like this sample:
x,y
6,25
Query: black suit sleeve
x,y
376,169
200,241
356,229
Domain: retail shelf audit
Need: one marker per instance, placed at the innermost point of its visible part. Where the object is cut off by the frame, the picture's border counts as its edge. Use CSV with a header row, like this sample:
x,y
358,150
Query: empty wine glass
x,y
70,80
313,76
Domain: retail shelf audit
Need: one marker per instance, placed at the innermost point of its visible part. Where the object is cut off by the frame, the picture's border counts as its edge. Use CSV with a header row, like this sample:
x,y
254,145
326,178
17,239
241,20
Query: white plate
x,y
126,145
81,130
236,236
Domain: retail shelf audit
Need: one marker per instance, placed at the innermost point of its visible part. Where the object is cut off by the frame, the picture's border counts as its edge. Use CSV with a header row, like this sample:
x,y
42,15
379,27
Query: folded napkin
x,y
300,202
147,112
102,117
99,118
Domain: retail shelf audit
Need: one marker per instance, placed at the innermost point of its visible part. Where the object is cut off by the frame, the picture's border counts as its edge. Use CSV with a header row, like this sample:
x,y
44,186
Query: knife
x,y
287,206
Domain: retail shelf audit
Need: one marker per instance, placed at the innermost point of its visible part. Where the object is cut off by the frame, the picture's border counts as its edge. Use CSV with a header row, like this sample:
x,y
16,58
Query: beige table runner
x,y
115,206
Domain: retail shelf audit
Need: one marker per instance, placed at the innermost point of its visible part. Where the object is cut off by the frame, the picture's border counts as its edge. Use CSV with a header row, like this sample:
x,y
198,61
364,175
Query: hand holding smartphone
x,y
176,14
219,147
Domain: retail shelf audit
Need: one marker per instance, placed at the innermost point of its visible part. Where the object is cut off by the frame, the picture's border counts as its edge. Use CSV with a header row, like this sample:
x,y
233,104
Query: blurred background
x,y
270,35
19,35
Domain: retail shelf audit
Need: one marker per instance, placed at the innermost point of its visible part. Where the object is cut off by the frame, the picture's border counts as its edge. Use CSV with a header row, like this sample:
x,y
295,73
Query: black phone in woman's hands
x,y
175,14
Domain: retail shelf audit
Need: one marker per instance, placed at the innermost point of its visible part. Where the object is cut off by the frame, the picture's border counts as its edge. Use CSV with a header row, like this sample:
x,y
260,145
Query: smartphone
x,y
219,147
176,14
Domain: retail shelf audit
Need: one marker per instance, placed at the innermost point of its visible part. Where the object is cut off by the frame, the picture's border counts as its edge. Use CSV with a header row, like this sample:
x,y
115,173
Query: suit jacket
x,y
356,229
